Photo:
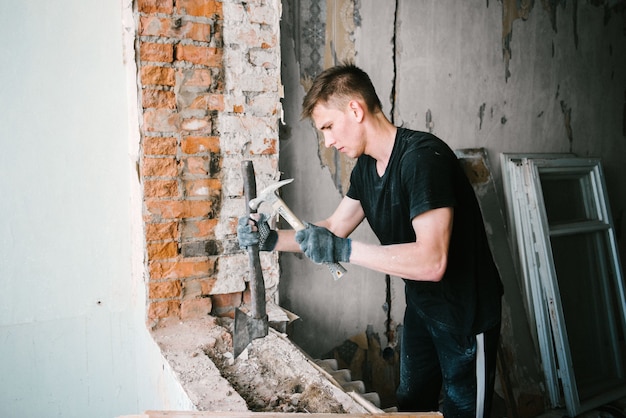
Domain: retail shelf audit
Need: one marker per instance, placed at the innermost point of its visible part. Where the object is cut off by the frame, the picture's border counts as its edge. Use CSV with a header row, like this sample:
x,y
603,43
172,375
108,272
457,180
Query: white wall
x,y
73,342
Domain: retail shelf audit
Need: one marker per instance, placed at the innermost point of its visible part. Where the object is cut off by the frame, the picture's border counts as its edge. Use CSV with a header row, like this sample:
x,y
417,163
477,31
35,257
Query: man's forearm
x,y
402,260
286,241
408,261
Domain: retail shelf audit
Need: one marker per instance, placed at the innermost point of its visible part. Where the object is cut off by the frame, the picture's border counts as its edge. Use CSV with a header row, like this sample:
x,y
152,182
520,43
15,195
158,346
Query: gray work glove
x,y
258,234
322,246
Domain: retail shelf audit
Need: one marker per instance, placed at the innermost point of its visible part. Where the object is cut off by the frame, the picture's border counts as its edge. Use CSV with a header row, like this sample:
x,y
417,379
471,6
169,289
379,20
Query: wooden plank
x,y
213,414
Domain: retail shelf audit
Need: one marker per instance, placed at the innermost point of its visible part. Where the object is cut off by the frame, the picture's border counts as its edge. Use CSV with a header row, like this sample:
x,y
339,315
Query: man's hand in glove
x,y
322,246
251,231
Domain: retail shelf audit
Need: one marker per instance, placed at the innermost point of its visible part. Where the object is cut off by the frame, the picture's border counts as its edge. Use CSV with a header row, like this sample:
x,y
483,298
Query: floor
x,y
616,409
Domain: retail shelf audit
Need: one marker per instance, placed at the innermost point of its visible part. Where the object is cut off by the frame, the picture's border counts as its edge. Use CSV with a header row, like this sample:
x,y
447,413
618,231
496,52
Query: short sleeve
x,y
427,179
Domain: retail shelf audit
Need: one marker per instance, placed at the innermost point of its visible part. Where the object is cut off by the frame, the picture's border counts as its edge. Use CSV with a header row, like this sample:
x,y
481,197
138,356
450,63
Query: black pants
x,y
432,359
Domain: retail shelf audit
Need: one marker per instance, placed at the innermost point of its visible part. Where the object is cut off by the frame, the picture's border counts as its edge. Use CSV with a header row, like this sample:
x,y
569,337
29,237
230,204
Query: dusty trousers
x,y
435,363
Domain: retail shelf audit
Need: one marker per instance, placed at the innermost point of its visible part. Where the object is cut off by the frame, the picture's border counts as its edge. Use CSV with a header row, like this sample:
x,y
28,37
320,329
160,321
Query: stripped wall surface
x,y
210,97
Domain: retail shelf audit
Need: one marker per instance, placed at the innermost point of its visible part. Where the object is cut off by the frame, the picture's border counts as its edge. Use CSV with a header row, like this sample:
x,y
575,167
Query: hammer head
x,y
268,194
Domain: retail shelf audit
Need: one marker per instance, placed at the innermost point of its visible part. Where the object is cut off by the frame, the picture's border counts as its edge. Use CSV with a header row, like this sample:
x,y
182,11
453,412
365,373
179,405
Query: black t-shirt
x,y
424,174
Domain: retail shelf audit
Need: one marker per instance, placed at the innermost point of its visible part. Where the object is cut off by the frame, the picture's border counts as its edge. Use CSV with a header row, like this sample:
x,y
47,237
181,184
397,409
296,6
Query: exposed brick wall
x,y
209,80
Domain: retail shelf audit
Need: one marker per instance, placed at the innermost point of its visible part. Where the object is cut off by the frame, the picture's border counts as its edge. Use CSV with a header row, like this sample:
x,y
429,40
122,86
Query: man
x,y
415,196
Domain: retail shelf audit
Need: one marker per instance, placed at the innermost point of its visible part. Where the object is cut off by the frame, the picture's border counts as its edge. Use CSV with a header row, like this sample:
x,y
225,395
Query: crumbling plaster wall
x,y
509,76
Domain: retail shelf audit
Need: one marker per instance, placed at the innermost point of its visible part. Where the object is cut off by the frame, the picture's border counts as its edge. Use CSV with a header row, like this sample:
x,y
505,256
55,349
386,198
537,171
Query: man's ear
x,y
356,109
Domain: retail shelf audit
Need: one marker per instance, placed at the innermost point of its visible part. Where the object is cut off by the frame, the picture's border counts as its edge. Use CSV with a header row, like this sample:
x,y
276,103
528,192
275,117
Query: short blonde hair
x,y
337,86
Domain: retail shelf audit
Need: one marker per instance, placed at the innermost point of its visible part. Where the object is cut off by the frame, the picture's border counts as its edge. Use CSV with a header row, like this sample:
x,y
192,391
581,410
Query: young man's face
x,y
340,127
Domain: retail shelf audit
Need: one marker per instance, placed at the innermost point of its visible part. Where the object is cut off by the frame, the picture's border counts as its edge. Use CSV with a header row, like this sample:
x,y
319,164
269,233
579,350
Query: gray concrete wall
x,y
489,75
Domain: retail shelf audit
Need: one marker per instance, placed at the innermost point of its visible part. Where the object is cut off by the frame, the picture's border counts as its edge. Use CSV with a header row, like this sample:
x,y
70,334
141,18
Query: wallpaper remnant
x,y
312,36
324,36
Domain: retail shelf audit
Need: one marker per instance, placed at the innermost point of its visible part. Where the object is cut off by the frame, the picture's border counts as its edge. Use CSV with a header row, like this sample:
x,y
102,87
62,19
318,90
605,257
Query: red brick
x,y
153,52
155,75
195,124
227,299
164,309
153,26
161,120
162,250
178,209
161,231
196,77
207,286
196,166
158,99
195,308
199,102
201,55
203,187
200,144
192,289
163,167
204,228
202,8
195,288
154,145
196,31
155,6
164,290
160,188
225,304
174,28
209,101
180,269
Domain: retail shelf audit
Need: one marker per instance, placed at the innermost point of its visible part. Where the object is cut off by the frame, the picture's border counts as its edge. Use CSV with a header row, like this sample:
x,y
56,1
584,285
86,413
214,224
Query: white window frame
x,y
531,233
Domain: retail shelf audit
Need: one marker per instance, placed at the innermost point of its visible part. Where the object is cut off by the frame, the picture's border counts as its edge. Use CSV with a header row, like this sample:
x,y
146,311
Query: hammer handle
x,y
336,269
257,284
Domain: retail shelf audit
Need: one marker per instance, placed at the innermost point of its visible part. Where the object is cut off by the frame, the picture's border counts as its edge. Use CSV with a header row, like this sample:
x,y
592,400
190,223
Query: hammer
x,y
270,195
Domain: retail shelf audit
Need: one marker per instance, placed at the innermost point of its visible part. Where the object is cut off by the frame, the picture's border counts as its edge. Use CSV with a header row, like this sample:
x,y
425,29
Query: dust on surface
x,y
271,375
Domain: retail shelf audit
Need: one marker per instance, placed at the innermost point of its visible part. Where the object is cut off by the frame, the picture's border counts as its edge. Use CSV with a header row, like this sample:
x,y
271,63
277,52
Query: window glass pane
x,y
588,297
566,197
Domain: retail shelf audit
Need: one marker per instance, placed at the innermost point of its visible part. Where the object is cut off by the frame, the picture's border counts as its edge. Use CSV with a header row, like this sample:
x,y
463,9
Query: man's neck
x,y
381,138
